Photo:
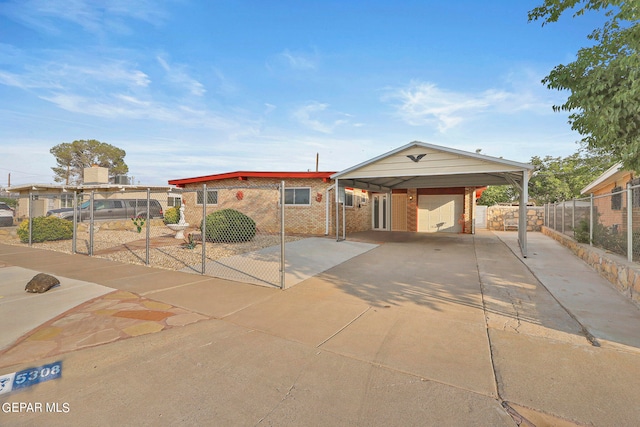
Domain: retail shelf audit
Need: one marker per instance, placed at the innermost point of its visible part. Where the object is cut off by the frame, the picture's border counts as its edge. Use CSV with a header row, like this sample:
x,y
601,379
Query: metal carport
x,y
423,165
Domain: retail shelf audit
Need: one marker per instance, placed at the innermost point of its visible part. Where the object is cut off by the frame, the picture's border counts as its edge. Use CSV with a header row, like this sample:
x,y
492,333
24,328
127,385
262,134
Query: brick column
x,y
412,209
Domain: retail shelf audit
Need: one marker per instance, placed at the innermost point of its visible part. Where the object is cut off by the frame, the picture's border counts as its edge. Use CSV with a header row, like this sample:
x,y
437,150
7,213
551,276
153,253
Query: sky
x,y
198,87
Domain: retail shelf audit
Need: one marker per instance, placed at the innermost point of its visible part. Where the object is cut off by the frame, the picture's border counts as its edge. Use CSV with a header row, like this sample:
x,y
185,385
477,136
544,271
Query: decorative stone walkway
x,y
114,316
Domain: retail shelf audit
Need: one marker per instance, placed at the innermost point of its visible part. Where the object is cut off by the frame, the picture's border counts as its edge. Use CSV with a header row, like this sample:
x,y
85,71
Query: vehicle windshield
x,y
85,205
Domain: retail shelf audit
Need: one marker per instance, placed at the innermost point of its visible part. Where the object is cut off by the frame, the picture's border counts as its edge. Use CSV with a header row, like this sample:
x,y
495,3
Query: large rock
x,y
41,283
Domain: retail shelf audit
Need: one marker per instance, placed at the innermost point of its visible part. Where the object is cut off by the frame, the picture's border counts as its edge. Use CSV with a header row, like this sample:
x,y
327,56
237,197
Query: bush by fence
x,y
45,229
609,221
229,225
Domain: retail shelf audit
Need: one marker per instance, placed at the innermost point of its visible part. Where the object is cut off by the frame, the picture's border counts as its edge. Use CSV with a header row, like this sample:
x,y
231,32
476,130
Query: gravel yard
x,y
129,247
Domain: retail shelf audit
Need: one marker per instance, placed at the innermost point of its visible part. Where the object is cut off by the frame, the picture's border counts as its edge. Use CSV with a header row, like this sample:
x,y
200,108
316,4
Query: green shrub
x,y
45,228
172,215
581,232
229,225
603,237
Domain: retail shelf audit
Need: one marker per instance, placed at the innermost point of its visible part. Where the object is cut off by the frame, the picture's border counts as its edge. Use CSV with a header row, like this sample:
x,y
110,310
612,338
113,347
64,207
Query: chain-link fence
x,y
235,233
609,221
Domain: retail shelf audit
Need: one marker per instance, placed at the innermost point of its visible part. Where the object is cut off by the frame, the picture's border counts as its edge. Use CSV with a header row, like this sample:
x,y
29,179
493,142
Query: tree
x,y
495,194
556,178
603,80
73,157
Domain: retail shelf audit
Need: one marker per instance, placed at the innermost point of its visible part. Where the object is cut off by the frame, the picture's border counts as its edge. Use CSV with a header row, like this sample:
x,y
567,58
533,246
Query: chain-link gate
x,y
235,233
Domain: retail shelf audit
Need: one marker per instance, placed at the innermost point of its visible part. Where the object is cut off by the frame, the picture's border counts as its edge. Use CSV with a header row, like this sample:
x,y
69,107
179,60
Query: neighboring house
x,y
417,187
611,208
45,197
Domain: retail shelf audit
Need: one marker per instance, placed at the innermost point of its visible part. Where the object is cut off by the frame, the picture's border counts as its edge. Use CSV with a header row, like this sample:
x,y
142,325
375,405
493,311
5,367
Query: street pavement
x,y
421,330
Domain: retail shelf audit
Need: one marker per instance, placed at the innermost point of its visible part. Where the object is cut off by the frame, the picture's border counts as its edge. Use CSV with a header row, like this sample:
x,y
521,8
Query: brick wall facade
x,y
259,199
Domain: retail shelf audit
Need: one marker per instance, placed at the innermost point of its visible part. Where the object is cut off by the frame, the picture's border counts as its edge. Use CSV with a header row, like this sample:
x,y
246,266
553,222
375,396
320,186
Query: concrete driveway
x,y
421,330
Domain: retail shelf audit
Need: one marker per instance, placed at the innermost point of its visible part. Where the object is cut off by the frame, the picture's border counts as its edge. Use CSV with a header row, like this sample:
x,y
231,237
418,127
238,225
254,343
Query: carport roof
x,y
423,165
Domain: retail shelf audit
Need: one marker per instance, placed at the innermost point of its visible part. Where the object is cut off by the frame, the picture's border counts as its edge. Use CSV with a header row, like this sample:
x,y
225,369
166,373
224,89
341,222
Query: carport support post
x,y
524,198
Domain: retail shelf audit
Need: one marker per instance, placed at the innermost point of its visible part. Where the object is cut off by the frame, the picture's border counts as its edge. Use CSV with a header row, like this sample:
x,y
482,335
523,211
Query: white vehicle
x,y
6,214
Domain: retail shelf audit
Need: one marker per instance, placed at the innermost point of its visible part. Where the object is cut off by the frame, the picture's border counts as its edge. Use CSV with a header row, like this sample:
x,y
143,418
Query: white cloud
x,y
62,75
177,75
425,104
316,116
124,107
94,16
287,61
299,61
269,108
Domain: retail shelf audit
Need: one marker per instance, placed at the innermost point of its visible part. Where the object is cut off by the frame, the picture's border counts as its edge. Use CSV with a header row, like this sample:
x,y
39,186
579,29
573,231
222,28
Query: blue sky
x,y
197,87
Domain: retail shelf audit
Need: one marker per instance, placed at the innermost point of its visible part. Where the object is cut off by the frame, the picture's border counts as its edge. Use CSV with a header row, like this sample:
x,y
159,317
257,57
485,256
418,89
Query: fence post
x,y
74,245
564,203
282,233
546,214
573,217
30,217
148,237
629,223
91,202
555,216
591,219
204,227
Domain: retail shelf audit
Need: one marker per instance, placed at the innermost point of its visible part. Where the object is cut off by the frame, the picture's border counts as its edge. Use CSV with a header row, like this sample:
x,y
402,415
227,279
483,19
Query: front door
x,y
379,206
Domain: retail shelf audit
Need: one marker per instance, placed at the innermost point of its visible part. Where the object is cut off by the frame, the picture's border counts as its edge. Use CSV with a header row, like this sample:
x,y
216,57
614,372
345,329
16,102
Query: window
x,y
66,200
212,197
174,201
616,199
635,192
348,198
297,196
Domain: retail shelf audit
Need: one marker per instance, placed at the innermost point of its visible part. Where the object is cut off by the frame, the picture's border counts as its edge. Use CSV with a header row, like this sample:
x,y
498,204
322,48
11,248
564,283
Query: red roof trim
x,y
245,175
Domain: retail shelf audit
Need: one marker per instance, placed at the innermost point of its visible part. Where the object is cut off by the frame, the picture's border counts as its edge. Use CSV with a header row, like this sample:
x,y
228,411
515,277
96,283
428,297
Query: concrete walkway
x,y
303,259
421,330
